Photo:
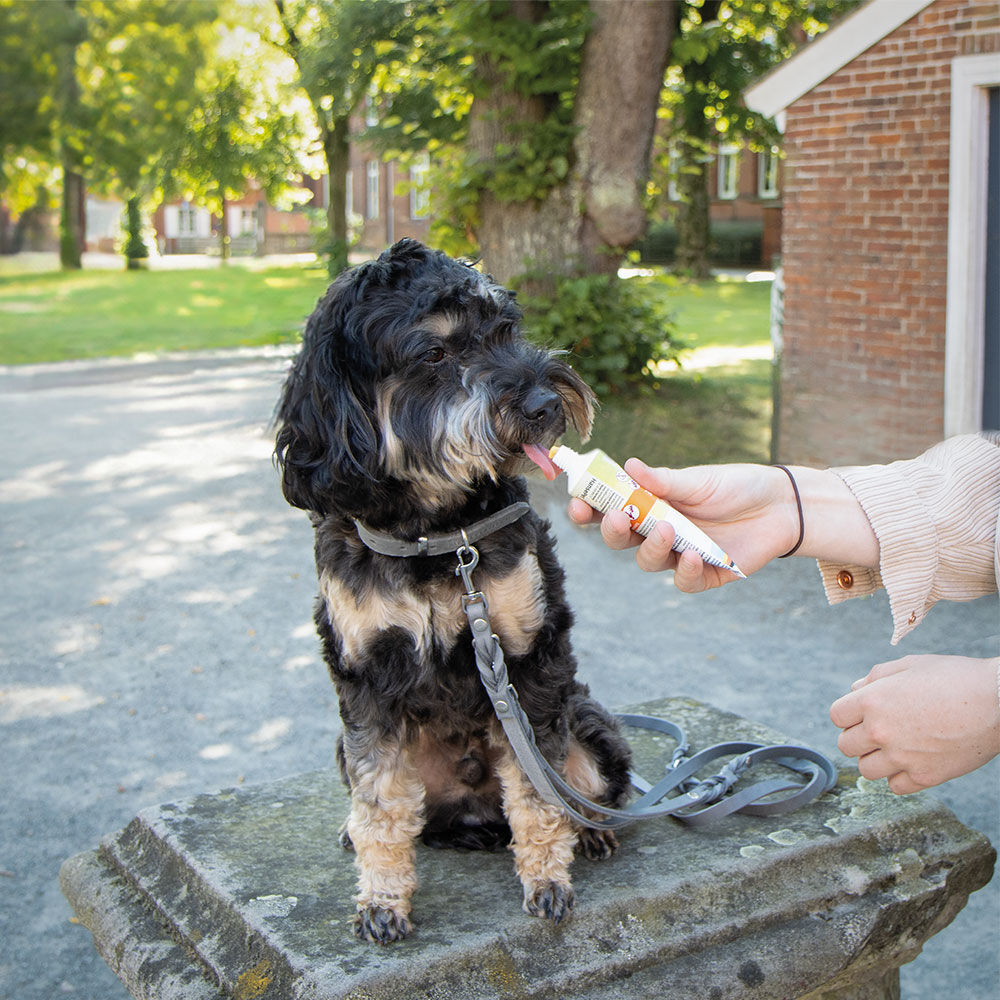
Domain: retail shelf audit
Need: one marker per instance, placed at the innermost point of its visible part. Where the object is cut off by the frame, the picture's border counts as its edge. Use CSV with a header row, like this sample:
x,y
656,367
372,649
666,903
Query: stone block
x,y
248,893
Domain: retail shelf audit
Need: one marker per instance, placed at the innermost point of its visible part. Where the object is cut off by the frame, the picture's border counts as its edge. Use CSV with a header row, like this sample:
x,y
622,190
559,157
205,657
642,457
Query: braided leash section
x,y
696,802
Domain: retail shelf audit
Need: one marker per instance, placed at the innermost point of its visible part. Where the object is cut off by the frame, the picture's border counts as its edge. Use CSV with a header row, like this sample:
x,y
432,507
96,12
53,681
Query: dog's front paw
x,y
597,845
380,925
553,900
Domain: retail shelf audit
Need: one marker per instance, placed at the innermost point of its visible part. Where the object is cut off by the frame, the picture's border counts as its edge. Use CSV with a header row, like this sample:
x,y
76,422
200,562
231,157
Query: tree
x,y
549,165
237,135
719,48
539,119
68,34
142,65
28,157
338,46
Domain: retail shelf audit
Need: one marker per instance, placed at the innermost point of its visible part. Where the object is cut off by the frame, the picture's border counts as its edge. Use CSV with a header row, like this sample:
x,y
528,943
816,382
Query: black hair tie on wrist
x,y
798,504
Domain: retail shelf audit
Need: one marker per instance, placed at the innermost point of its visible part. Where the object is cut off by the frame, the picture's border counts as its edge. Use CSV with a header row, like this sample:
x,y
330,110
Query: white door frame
x,y
971,77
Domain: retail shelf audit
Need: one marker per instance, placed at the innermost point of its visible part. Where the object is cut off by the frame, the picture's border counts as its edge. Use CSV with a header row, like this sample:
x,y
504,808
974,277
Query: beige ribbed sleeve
x,y
936,520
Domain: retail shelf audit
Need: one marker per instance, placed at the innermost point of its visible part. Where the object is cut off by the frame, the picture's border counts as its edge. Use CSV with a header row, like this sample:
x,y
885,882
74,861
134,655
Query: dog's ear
x,y
326,439
578,400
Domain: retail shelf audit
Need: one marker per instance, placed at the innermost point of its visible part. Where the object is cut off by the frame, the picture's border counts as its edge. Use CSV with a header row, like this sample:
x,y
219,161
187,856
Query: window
x,y
729,171
371,107
767,173
673,170
371,190
246,222
420,196
187,220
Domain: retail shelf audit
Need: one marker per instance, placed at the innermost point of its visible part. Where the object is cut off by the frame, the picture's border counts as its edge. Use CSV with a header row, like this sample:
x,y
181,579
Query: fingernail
x,y
663,533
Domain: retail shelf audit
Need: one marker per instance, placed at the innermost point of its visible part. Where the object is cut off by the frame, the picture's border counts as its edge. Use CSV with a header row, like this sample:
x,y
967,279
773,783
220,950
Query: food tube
x,y
599,481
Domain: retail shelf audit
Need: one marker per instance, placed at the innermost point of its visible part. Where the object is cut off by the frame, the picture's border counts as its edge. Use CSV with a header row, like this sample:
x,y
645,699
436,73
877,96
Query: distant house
x,y
891,230
255,226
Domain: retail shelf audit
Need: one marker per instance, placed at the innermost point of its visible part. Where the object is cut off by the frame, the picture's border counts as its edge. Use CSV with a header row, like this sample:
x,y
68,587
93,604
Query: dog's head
x,y
413,378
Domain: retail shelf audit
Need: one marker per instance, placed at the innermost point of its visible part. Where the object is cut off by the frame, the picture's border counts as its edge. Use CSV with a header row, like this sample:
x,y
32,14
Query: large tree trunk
x,y
583,225
693,215
336,149
693,212
225,238
72,218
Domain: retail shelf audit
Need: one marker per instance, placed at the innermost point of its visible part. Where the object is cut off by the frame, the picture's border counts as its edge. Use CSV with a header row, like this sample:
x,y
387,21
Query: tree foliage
x,y
137,99
719,49
338,47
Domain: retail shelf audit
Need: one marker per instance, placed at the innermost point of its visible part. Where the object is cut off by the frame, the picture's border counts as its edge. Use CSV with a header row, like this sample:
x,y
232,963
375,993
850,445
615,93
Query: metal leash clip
x,y
468,560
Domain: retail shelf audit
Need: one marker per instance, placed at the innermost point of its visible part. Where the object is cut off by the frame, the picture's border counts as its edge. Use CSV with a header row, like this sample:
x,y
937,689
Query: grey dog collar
x,y
437,545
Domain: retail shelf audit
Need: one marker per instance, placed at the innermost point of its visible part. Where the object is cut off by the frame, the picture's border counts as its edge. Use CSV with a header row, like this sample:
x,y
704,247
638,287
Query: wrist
x,y
836,528
798,528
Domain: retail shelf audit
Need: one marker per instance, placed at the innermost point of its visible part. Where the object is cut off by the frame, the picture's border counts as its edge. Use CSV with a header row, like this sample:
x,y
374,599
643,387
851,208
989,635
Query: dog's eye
x,y
434,356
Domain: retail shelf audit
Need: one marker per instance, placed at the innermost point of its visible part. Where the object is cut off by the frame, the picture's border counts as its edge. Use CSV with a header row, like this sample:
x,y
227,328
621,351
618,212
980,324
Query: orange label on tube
x,y
638,505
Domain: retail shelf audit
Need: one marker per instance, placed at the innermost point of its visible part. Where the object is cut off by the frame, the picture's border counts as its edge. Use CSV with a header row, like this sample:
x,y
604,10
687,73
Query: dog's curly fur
x,y
406,409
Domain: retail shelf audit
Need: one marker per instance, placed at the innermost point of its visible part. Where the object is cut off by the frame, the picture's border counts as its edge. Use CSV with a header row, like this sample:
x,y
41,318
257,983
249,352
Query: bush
x,y
614,330
734,243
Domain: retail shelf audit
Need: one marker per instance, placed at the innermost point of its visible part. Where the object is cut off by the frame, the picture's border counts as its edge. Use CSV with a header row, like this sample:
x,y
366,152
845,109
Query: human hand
x,y
921,720
749,510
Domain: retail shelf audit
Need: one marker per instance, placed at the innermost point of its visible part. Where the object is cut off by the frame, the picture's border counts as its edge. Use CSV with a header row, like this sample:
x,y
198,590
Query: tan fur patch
x,y
517,605
542,835
516,609
443,324
580,770
387,798
435,613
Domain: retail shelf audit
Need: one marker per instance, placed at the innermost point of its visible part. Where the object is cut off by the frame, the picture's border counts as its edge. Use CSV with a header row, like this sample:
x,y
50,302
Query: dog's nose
x,y
540,404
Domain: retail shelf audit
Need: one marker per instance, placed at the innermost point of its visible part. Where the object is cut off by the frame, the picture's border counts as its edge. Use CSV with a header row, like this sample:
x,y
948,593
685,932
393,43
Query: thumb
x,y
658,481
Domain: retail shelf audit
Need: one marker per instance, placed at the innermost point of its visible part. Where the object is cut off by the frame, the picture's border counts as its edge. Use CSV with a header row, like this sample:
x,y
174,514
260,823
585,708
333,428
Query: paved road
x,y
156,642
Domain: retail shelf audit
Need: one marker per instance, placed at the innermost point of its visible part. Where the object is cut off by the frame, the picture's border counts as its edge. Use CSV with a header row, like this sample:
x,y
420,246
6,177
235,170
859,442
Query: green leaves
x,y
615,330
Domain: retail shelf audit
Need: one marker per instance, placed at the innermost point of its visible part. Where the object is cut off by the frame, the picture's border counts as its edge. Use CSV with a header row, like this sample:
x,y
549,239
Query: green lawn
x,y
724,312
717,415
54,316
722,414
86,314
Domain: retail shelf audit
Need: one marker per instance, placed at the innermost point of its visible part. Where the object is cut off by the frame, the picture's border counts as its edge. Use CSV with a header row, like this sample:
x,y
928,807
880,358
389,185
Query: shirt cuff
x,y
908,543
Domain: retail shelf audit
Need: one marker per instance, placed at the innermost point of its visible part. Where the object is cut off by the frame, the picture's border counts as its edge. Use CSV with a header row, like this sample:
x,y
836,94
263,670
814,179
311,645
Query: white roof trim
x,y
810,66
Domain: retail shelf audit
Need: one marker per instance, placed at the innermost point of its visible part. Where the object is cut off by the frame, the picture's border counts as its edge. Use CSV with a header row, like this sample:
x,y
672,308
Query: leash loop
x,y
694,801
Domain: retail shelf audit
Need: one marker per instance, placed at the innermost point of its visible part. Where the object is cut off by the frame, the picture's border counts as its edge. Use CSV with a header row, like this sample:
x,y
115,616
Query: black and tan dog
x,y
410,410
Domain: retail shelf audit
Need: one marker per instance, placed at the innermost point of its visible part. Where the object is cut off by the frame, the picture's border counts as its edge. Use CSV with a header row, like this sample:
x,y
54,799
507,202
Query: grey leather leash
x,y
696,802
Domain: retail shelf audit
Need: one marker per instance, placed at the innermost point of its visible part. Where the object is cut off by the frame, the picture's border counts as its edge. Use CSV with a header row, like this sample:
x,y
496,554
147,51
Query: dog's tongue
x,y
540,456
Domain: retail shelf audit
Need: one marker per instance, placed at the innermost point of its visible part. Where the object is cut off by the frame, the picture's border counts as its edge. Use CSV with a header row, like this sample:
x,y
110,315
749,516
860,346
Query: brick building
x,y
255,226
891,336
386,200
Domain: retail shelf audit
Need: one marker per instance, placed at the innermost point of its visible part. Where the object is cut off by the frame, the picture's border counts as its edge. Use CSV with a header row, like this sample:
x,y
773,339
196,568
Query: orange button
x,y
845,579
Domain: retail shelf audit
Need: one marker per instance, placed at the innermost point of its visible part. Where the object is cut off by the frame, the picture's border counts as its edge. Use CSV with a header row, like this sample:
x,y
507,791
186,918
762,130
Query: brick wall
x,y
865,233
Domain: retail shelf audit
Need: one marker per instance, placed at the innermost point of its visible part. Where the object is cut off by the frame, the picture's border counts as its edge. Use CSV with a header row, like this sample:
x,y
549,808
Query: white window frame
x,y
420,196
728,161
372,193
965,333
767,173
187,219
371,107
673,168
247,221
